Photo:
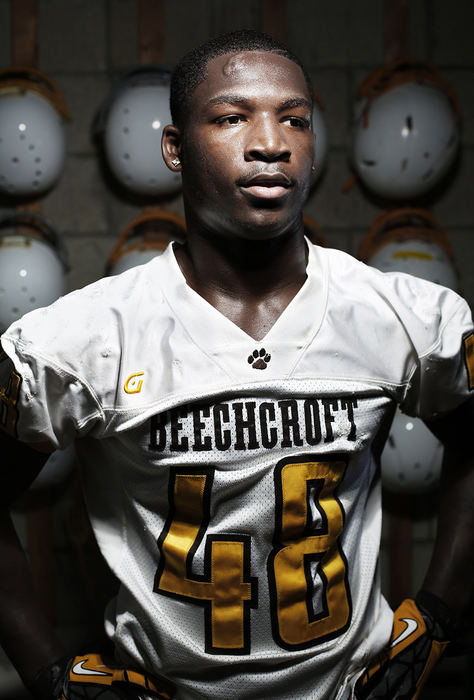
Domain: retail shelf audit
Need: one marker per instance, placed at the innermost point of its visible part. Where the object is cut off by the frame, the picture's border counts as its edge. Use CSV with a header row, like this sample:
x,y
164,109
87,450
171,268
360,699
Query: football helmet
x,y
130,125
320,136
33,263
144,238
33,113
412,457
405,132
410,240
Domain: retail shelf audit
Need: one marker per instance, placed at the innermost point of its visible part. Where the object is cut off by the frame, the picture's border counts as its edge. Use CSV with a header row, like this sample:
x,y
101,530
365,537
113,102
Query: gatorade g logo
x,y
133,385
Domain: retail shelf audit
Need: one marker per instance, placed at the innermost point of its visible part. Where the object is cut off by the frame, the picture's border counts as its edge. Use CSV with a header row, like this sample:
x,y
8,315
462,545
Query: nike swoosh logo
x,y
411,626
81,671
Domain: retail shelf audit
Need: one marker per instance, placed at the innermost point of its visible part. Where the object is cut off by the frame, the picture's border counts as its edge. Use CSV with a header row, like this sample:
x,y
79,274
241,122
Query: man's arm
x,y
25,633
437,617
451,570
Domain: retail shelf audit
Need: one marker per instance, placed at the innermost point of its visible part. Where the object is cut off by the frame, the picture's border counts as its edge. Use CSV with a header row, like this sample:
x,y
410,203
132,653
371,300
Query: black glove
x,y
422,629
91,677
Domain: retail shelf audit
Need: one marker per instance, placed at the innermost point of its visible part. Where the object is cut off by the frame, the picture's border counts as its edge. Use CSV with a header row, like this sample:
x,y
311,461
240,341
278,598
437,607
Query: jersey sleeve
x,y
441,329
40,401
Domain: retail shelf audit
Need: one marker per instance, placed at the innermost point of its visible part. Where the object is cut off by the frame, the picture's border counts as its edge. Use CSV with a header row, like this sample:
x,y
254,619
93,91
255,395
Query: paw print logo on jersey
x,y
259,359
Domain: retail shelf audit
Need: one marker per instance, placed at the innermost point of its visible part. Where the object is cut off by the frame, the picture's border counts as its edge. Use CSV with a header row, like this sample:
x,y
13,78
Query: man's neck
x,y
249,282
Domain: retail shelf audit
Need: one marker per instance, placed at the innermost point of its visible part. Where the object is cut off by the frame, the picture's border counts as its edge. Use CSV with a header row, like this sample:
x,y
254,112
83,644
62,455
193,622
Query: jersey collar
x,y
222,339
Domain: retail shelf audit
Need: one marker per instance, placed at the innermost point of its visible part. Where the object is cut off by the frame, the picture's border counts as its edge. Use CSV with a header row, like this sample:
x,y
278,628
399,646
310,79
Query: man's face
x,y
247,146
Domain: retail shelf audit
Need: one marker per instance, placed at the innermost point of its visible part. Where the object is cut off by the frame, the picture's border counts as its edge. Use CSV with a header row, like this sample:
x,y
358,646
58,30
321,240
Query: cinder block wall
x,y
85,45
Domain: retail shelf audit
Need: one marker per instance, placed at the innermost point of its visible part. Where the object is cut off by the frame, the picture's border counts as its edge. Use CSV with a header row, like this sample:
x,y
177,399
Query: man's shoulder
x,y
91,317
349,273
396,300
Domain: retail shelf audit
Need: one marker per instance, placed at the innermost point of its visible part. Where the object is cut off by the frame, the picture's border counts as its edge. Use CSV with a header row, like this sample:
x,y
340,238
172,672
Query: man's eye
x,y
298,122
231,120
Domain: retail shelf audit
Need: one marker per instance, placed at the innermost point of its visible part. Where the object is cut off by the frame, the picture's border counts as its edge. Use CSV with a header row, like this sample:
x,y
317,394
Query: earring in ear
x,y
313,168
176,162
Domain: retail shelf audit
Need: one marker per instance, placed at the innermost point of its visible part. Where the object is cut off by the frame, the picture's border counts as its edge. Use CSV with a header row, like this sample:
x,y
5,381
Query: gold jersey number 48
x,y
227,591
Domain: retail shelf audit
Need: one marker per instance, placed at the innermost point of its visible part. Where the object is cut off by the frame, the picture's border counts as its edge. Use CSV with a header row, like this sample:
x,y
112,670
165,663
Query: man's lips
x,y
266,185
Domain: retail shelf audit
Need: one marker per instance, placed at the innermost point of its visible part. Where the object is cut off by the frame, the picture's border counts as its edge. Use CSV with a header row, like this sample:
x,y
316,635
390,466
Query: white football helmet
x,y
320,137
410,240
412,457
32,132
144,238
33,263
130,126
405,132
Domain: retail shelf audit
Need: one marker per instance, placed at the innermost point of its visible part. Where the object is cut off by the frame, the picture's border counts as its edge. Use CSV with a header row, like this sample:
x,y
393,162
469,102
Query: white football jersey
x,y
233,484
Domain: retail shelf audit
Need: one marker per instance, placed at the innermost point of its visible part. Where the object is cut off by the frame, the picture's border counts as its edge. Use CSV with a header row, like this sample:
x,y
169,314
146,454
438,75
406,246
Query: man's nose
x,y
267,141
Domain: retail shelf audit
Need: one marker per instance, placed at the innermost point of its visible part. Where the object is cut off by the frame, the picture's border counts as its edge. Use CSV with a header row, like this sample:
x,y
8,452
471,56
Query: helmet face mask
x,y
145,237
410,240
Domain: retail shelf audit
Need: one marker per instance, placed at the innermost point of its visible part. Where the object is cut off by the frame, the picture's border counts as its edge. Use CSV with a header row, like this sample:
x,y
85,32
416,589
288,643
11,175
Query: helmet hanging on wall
x,y
144,238
130,125
33,263
33,113
320,136
406,129
410,240
412,457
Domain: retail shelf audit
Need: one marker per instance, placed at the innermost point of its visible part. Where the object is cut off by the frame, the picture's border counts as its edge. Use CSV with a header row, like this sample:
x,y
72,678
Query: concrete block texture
x,y
77,203
182,35
451,26
72,35
417,29
333,208
420,556
123,210
84,95
424,529
334,88
88,256
5,43
462,241
227,16
122,34
452,201
462,81
336,32
338,239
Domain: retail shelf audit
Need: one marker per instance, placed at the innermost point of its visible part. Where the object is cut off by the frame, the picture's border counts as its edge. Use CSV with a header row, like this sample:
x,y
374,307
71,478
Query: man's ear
x,y
171,147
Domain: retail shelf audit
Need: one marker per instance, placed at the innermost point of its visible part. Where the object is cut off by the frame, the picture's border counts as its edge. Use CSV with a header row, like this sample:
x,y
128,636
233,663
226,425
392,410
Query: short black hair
x,y
192,68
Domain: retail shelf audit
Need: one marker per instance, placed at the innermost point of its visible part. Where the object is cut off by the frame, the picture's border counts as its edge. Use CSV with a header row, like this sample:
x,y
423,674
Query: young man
x,y
229,401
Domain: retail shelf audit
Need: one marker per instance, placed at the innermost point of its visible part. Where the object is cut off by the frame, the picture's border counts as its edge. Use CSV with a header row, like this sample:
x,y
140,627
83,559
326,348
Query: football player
x,y
229,401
